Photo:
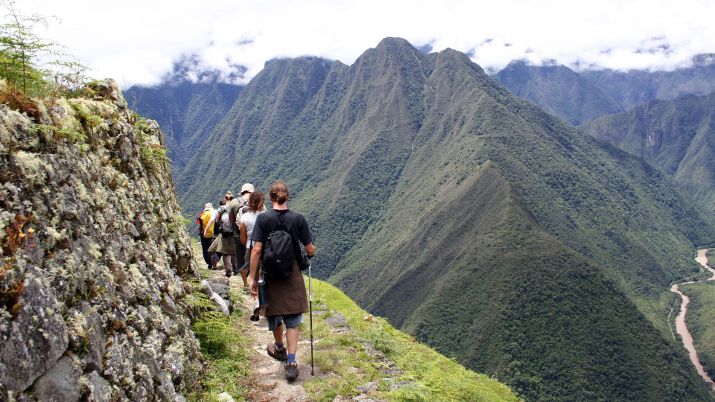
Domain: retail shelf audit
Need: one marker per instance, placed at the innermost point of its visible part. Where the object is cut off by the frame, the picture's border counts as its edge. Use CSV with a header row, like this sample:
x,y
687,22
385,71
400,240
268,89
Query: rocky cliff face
x,y
92,247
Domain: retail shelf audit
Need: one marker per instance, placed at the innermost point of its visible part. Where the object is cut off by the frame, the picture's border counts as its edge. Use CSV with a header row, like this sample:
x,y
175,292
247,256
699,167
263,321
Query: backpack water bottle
x,y
261,290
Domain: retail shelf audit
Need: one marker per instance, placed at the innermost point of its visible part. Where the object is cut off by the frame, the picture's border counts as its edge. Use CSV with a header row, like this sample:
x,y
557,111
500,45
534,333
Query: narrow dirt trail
x,y
267,381
680,324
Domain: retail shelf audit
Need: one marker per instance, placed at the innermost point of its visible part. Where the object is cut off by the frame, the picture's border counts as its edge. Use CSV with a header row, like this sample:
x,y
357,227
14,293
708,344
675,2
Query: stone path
x,y
267,382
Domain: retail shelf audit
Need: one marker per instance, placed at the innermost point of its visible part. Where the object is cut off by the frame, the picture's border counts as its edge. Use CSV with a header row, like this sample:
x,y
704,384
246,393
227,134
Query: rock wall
x,y
92,246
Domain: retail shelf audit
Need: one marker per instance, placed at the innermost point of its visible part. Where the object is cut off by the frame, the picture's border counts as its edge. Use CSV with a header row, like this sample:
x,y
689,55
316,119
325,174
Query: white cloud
x,y
137,41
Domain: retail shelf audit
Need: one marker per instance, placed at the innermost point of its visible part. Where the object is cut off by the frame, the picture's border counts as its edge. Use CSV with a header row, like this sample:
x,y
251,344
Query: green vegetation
x,y
151,151
558,90
540,317
186,112
422,373
440,201
223,345
372,351
676,136
20,52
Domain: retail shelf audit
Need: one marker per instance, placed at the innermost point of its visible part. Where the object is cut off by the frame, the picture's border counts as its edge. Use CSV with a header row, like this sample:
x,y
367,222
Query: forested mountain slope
x,y
558,90
442,201
678,136
579,97
186,112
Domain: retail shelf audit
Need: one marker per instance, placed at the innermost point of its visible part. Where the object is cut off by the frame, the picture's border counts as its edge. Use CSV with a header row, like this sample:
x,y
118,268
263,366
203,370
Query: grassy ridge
x,y
347,360
427,375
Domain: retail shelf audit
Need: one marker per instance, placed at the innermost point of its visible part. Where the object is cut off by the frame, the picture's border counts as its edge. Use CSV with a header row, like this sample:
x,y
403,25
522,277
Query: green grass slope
x,y
677,136
433,193
430,375
345,360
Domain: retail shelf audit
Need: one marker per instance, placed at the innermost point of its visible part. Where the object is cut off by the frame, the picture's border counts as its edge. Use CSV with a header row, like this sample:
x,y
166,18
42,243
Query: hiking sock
x,y
279,346
291,358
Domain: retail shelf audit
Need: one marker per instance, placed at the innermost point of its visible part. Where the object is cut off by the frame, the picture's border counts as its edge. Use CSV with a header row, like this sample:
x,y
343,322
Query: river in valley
x,y
680,325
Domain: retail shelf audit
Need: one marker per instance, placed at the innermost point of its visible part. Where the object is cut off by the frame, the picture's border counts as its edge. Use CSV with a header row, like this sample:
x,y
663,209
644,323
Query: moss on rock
x,y
91,253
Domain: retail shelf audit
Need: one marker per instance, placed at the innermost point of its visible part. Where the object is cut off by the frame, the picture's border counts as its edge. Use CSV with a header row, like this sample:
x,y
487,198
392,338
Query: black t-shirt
x,y
295,224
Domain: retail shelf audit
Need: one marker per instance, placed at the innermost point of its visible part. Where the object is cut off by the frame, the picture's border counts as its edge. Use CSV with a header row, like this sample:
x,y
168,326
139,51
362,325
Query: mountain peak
x,y
449,52
393,43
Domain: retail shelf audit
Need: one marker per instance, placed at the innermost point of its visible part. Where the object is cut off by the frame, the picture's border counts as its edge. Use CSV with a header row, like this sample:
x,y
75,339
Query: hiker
x,y
247,222
235,209
206,232
224,242
286,298
215,256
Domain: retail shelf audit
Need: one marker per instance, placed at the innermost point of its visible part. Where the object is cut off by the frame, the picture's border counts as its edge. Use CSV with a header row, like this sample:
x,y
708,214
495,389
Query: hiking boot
x,y
281,355
228,273
255,316
291,371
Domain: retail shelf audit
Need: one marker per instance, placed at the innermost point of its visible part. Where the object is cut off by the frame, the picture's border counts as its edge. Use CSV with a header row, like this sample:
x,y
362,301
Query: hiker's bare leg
x,y
229,262
292,337
278,334
244,276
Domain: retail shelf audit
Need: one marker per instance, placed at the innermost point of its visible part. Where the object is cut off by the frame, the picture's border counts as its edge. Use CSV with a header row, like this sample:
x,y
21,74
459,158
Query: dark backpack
x,y
217,223
278,252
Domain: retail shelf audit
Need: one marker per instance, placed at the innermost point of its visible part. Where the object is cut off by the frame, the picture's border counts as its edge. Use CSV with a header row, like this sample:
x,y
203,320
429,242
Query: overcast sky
x,y
136,41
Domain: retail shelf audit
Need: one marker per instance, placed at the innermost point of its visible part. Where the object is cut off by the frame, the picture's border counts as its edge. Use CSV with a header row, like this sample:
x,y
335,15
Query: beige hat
x,y
247,187
208,206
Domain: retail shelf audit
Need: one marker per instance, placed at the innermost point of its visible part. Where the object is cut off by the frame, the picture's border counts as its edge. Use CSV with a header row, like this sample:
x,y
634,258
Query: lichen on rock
x,y
92,248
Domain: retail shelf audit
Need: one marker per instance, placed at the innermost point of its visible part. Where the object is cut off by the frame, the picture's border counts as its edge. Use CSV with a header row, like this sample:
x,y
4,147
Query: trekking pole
x,y
310,298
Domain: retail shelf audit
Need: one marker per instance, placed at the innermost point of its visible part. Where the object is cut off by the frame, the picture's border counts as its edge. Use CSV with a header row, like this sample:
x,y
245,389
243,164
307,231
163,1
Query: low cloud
x,y
193,68
234,39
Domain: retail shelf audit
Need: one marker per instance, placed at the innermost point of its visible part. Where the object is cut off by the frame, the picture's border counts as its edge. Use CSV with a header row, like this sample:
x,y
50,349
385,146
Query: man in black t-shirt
x,y
286,298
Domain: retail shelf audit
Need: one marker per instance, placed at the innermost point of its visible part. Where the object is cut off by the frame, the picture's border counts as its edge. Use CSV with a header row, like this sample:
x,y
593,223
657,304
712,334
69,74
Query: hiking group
x,y
263,246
